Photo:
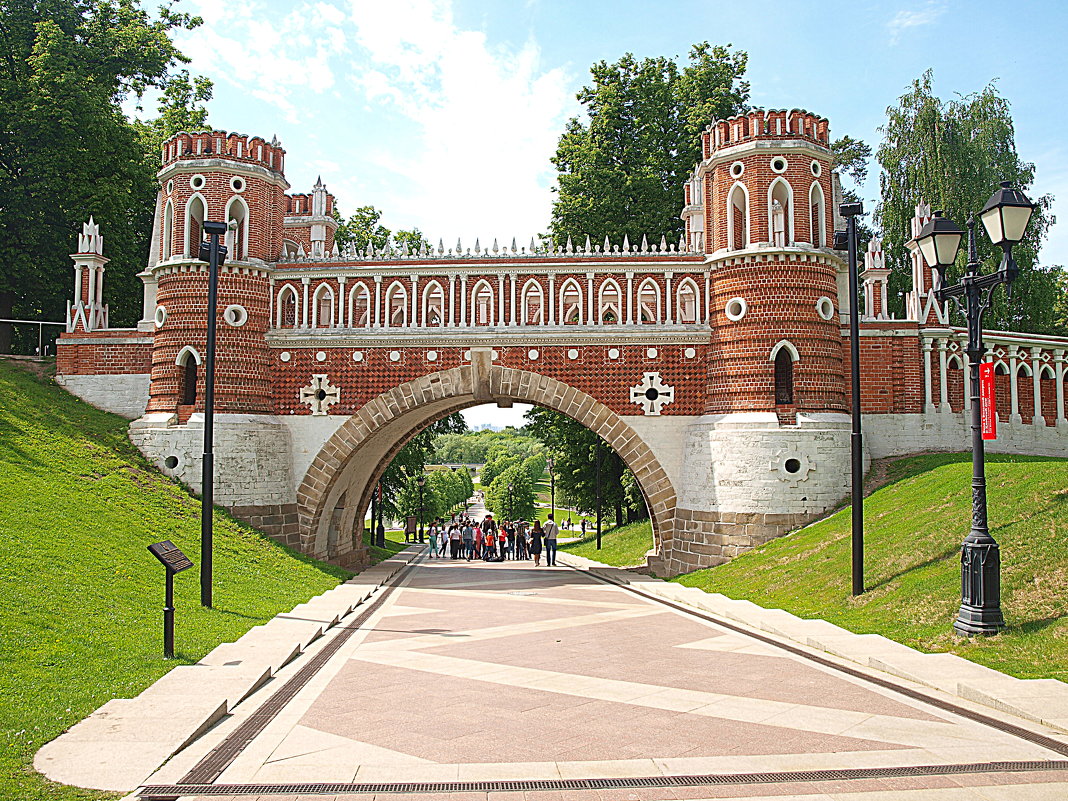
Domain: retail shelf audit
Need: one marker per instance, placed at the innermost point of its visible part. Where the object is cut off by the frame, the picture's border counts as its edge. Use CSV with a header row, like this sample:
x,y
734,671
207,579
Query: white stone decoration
x,y
467,355
320,394
533,354
197,181
737,169
736,309
825,307
394,355
357,355
160,316
652,394
689,353
237,184
285,356
431,355
651,353
613,353
792,465
572,353
779,165
170,187
235,315
816,168
320,356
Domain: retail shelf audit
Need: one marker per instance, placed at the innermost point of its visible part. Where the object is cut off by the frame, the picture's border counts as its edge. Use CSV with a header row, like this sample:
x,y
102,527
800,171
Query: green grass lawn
x,y
913,529
394,544
80,596
621,547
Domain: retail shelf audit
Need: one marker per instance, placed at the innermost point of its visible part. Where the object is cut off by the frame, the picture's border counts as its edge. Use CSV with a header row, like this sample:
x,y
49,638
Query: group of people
x,y
464,538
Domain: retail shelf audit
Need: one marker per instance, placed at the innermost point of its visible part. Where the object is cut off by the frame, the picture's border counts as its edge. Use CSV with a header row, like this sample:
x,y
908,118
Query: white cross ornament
x,y
320,394
652,394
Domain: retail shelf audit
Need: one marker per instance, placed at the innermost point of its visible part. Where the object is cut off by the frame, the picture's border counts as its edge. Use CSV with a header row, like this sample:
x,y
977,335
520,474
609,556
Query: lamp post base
x,y
974,621
980,609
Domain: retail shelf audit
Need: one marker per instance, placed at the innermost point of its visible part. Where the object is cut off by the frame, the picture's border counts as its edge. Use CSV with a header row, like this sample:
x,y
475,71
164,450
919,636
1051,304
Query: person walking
x,y
509,539
454,541
432,535
550,530
469,540
536,537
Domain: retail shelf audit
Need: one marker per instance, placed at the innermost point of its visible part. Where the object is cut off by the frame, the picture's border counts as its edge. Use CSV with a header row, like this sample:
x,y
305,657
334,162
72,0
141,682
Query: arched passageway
x,y
334,495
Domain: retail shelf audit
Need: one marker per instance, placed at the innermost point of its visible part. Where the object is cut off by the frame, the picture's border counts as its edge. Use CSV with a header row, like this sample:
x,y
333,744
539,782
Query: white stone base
x,y
124,394
899,434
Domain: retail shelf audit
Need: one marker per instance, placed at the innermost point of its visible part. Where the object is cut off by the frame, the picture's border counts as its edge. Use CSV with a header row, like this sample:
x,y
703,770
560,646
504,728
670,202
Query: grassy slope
x,y
81,597
913,530
622,547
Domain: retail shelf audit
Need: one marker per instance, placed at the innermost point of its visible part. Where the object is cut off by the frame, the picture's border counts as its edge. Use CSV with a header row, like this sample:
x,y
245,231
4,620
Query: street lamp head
x,y
421,480
852,209
841,240
1006,214
939,241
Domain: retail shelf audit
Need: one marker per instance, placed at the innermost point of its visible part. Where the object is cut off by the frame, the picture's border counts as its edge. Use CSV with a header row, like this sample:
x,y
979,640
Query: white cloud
x,y
904,21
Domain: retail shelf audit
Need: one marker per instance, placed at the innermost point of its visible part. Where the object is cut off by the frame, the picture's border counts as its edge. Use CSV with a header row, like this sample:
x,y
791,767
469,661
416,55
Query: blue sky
x,y
444,113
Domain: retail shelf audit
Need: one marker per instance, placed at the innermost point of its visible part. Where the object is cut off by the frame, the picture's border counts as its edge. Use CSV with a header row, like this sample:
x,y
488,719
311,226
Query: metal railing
x,y
41,351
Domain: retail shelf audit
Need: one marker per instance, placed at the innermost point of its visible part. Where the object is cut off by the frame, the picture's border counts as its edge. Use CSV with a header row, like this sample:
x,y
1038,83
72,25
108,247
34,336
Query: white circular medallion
x,y
689,353
613,353
467,355
533,354
285,356
197,181
320,356
161,316
431,355
737,169
816,169
235,315
825,308
779,164
237,184
651,353
736,309
170,187
357,355
394,355
572,353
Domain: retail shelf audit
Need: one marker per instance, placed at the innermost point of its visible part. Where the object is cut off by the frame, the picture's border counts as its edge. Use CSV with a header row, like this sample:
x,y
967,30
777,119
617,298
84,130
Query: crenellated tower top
x,y
766,124
230,146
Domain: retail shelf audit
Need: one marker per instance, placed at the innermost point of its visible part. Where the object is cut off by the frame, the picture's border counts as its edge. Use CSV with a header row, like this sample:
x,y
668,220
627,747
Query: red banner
x,y
988,400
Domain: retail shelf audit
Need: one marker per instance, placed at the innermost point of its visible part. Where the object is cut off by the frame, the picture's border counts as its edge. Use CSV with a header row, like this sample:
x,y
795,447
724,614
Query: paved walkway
x,y
486,672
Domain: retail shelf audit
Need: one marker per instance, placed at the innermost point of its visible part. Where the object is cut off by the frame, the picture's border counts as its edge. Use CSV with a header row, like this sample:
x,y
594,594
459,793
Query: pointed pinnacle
x,y
645,244
513,244
626,243
663,244
587,247
495,245
441,246
570,249
607,245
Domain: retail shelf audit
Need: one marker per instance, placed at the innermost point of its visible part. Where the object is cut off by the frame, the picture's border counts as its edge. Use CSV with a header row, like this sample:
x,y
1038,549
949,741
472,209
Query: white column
x,y
100,287
943,374
78,283
928,403
591,318
500,299
552,299
1058,358
708,298
414,320
90,295
1036,367
630,298
463,300
668,316
270,306
452,301
378,301
1014,395
339,315
513,320
304,303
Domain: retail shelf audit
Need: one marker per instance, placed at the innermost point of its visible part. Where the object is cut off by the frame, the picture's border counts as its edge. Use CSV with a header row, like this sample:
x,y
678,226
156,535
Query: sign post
x,y
173,561
988,400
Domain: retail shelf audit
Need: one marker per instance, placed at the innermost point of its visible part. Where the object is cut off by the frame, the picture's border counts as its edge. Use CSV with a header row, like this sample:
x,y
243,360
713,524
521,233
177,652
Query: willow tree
x,y
952,154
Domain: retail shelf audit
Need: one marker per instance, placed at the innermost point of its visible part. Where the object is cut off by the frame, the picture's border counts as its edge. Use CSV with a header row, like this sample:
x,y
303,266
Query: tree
x,y
511,495
535,465
620,170
66,149
365,227
953,155
497,465
411,461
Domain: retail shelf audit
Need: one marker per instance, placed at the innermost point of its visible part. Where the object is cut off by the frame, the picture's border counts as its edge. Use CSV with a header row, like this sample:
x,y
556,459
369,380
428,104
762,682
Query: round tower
x,y
213,175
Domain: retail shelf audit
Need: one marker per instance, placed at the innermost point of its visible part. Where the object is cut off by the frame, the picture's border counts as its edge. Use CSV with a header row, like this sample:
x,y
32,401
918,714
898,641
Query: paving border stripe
x,y
978,717
212,764
170,792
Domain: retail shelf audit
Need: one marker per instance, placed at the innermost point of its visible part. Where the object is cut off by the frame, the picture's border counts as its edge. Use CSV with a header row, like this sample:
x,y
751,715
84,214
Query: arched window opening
x,y
433,304
571,304
324,307
187,362
483,304
533,304
287,307
397,306
817,216
610,303
780,213
737,218
195,213
360,307
168,231
784,377
649,302
1001,369
237,229
686,302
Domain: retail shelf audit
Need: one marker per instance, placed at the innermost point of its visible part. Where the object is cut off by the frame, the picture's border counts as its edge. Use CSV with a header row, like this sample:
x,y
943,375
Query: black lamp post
x,y
215,255
552,486
1005,217
598,495
511,504
421,481
847,240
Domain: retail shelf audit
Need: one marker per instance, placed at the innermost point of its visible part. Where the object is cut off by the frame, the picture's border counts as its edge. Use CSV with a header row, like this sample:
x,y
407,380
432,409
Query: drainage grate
x,y
171,791
211,766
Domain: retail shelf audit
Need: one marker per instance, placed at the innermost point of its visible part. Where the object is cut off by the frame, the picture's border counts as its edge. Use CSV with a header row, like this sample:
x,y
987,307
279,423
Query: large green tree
x,y
67,150
952,154
364,227
411,461
621,166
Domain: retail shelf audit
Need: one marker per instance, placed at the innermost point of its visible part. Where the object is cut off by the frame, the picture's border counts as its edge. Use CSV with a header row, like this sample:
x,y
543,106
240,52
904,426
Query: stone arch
x,y
343,474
